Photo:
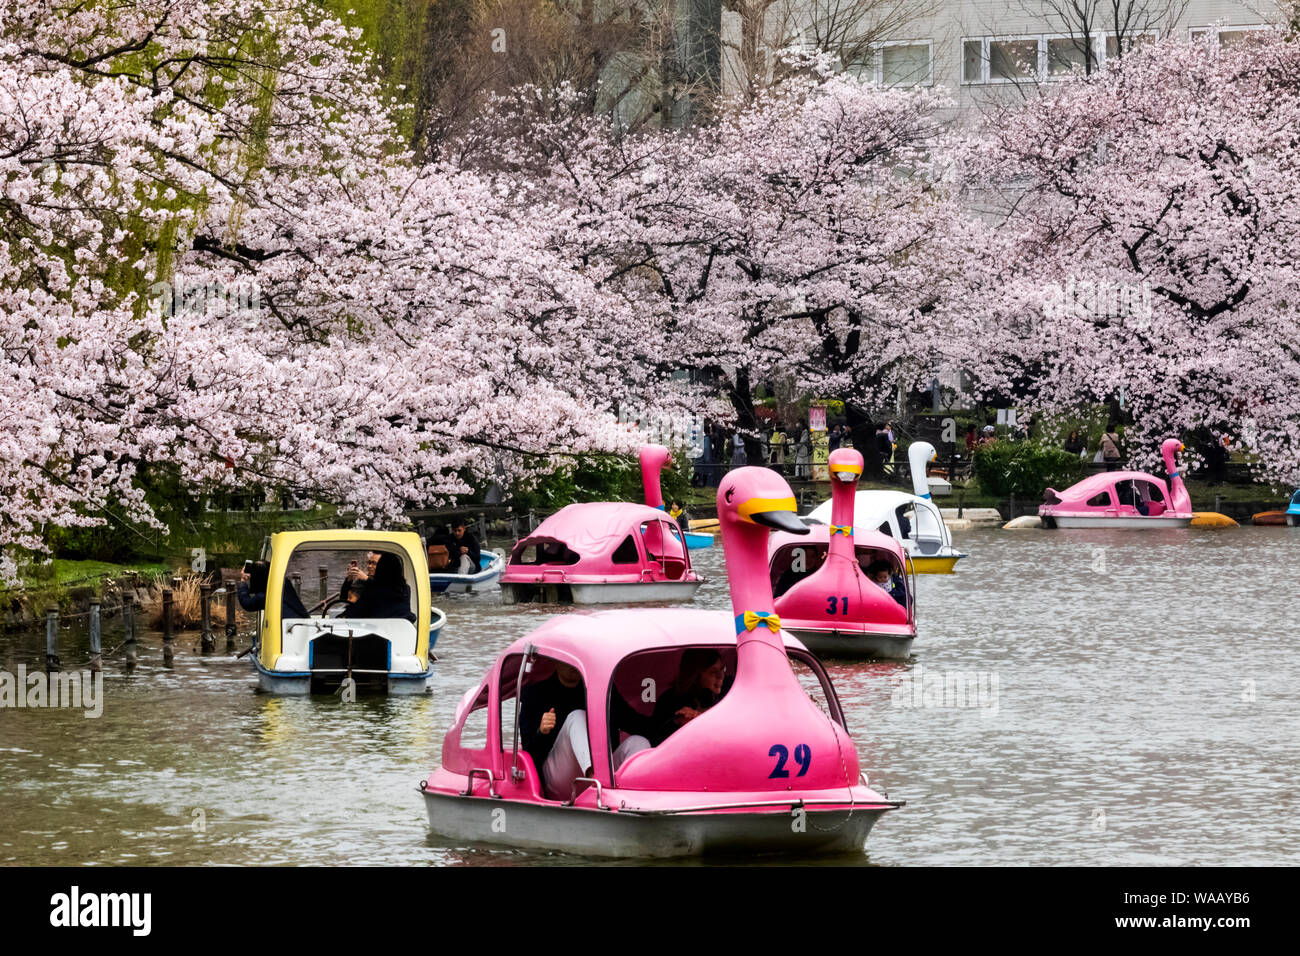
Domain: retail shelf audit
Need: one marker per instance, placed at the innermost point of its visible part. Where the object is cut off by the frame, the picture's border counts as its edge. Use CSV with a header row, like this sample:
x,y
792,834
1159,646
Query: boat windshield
x,y
331,581
543,551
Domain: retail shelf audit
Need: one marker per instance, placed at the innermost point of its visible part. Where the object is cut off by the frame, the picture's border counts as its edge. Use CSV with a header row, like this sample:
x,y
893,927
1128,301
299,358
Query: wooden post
x,y
167,611
206,641
52,639
128,627
961,497
230,617
297,583
482,530
1012,509
1217,506
514,527
324,573
96,646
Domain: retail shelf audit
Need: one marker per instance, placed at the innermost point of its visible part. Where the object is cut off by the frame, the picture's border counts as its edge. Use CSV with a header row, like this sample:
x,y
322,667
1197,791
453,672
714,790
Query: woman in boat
x,y
697,688
386,593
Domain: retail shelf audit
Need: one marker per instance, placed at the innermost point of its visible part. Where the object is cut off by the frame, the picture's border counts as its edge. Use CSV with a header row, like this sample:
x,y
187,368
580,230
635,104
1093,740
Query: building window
x,y
1066,55
1228,36
1049,56
903,63
1013,59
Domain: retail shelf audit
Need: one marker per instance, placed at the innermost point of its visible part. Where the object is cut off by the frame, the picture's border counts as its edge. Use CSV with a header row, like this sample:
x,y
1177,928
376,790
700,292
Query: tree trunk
x,y
742,401
863,430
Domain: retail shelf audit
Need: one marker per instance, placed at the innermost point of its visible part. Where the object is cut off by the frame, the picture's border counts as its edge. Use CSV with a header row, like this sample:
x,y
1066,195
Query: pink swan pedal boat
x,y
605,552
765,769
1122,499
822,595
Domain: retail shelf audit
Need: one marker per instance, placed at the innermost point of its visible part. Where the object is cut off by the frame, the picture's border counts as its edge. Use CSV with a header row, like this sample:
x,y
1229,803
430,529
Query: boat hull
x,y
440,583
590,832
1116,521
299,683
593,593
854,644
935,564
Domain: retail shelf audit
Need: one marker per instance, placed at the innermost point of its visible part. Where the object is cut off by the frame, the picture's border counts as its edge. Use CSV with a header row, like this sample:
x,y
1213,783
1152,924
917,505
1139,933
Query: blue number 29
x,y
802,756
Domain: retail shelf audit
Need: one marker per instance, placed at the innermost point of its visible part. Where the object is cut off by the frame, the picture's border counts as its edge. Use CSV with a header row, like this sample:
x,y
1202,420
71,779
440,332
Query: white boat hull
x,y
1116,521
606,833
595,593
440,583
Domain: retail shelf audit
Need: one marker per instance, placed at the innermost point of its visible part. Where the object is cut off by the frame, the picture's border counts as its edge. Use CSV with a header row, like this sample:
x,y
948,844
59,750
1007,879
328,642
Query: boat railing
x,y
487,775
573,792
794,802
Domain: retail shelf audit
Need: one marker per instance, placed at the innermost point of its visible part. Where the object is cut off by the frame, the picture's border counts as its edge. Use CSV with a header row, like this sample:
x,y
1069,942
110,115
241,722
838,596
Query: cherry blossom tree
x,y
1152,235
806,234
401,330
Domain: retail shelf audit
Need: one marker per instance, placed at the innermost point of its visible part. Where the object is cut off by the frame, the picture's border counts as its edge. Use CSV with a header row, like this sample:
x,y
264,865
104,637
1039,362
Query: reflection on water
x,y
1148,711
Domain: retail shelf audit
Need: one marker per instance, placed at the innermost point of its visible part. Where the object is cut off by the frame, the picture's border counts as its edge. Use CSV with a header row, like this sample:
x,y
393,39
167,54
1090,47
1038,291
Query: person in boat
x,y
882,574
701,682
251,592
553,730
678,513
354,580
386,593
464,549
699,685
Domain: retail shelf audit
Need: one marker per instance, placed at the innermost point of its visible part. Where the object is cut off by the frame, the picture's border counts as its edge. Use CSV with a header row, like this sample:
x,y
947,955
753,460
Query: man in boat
x,y
551,712
464,549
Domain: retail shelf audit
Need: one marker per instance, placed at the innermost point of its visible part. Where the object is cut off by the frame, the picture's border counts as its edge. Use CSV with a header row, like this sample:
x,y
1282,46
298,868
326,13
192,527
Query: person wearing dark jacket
x,y
697,688
386,593
464,550
553,729
251,592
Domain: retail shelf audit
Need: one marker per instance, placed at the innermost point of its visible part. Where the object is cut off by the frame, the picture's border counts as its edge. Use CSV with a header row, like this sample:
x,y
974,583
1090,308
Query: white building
x,y
977,48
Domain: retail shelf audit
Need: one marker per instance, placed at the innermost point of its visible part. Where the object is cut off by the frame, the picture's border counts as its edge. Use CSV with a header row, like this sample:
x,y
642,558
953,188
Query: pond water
x,y
1140,705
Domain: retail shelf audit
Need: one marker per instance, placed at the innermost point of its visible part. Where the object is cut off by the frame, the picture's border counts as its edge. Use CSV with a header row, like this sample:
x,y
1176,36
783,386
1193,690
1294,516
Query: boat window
x,y
928,523
817,684
1149,491
474,731
1099,500
543,551
794,562
317,573
626,553
906,515
645,682
664,544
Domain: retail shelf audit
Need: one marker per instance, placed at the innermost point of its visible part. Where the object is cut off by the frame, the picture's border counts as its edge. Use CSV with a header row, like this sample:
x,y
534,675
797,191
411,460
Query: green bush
x,y
599,478
1024,469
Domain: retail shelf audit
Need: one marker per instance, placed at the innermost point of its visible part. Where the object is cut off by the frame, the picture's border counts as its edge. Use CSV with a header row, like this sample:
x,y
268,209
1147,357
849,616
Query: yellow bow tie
x,y
752,619
844,529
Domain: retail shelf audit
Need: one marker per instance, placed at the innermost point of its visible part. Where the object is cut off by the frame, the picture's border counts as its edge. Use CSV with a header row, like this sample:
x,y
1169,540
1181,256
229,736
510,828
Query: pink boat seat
x,y
1155,508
